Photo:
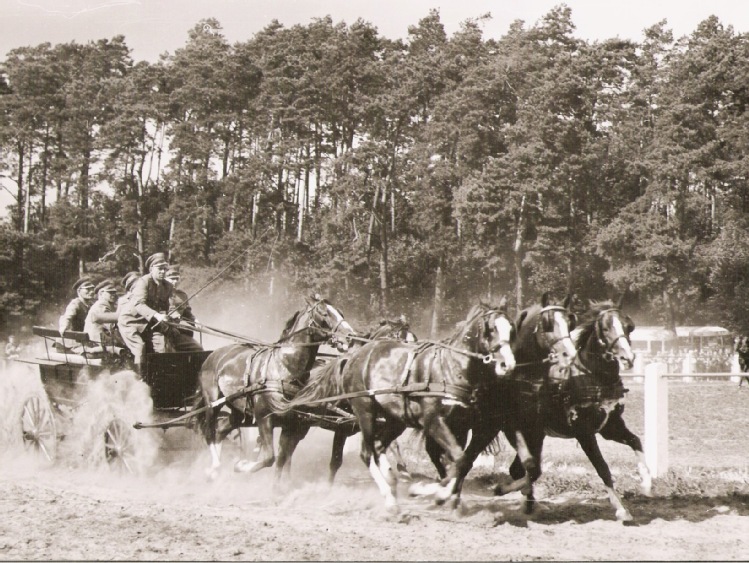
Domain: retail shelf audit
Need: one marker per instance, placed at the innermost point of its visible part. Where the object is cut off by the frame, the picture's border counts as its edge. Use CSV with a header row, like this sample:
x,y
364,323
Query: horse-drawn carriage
x,y
462,386
68,369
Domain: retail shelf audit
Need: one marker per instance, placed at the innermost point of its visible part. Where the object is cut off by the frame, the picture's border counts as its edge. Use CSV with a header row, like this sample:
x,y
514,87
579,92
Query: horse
x,y
256,381
325,382
418,387
588,398
542,336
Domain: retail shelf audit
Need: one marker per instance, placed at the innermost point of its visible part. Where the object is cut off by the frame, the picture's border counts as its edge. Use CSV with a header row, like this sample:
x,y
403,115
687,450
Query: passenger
x,y
101,318
143,321
127,282
179,301
74,317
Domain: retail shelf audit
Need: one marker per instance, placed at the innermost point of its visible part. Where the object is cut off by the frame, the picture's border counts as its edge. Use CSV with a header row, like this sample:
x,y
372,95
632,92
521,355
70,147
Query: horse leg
x,y
480,440
266,456
590,446
400,464
434,451
378,465
292,432
525,468
436,427
615,429
336,454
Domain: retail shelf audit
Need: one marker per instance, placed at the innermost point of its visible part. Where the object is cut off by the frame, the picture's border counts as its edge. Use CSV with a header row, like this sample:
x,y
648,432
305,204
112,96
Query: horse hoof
x,y
421,489
529,506
623,515
391,506
211,473
647,492
243,466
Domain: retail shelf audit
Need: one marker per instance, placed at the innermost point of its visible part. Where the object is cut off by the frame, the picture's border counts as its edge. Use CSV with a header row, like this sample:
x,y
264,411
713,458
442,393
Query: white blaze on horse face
x,y
504,331
340,322
624,353
563,345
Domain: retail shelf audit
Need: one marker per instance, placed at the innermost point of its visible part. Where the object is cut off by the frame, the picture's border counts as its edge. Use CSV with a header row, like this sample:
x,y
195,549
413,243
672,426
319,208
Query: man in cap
x,y
102,316
74,317
127,282
142,323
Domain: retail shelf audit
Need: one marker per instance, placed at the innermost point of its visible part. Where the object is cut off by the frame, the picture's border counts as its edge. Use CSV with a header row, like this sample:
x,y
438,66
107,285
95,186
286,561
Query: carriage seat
x,y
73,347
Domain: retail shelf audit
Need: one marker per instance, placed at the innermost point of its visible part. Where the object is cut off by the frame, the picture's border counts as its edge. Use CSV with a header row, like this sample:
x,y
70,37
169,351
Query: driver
x,y
143,320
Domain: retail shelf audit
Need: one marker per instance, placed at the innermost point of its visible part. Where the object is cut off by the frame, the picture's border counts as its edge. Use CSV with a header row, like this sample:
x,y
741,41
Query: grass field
x,y
708,447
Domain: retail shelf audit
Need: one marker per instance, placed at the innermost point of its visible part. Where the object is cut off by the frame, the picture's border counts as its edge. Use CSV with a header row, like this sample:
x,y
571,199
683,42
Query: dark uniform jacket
x,y
74,317
148,298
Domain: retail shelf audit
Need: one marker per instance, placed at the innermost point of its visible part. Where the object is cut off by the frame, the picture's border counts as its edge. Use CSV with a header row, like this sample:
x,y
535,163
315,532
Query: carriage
x,y
67,370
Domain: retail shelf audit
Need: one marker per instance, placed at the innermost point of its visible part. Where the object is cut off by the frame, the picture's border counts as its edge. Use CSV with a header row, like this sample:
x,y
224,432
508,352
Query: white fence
x,y
655,380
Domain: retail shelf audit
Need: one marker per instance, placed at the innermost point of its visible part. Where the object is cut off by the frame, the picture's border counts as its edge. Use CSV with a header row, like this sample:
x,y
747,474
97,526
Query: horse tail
x,y
324,381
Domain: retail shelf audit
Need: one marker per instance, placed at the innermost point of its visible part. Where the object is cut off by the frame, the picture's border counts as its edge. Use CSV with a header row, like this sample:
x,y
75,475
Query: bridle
x,y
608,353
489,357
550,341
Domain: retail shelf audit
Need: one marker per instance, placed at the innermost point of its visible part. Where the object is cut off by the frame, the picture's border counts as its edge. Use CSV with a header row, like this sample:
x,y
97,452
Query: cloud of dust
x,y
118,399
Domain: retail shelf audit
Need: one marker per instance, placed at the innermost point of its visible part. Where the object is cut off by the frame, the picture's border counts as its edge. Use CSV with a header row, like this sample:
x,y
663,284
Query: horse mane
x,y
290,324
588,321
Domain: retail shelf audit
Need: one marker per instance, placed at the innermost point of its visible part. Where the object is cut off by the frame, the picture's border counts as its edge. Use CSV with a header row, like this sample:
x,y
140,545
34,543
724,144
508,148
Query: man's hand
x,y
160,317
175,316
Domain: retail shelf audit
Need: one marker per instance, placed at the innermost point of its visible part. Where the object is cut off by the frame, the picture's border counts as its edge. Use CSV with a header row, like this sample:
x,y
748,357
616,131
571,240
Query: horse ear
x,y
546,299
567,304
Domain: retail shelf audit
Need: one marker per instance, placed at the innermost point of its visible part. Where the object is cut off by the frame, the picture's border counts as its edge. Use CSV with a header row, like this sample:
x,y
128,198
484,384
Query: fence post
x,y
735,367
656,419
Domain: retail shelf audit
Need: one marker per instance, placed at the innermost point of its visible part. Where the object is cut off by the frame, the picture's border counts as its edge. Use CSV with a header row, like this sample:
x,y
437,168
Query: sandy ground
x,y
78,509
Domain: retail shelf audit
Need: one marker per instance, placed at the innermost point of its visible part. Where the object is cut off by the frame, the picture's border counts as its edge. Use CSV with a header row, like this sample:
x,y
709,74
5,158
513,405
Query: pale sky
x,y
154,26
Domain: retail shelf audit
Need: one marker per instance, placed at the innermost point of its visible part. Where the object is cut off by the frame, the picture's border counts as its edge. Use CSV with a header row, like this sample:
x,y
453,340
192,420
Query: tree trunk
x,y
437,302
384,270
19,182
518,257
27,201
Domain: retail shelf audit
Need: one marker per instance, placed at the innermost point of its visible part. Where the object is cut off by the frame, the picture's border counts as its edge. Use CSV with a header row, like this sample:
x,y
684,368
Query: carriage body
x,y
68,366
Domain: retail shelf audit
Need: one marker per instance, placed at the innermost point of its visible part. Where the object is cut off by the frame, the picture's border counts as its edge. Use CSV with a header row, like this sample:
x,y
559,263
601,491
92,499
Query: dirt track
x,y
78,509
175,514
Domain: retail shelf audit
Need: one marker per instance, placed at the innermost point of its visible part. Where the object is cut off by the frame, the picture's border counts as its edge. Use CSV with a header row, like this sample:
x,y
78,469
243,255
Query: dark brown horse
x,y
256,382
418,387
588,398
325,381
507,404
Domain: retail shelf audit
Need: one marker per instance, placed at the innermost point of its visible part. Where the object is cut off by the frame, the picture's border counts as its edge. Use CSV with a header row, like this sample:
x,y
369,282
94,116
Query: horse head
x,y
606,332
393,330
548,326
489,332
323,321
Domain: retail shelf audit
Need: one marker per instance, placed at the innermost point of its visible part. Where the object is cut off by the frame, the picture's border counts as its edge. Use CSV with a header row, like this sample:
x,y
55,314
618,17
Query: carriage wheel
x,y
38,429
119,450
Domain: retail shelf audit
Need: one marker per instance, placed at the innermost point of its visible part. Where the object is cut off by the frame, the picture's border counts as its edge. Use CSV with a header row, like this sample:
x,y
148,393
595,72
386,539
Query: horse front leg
x,y
616,430
374,458
292,432
525,468
436,427
266,457
336,453
590,446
